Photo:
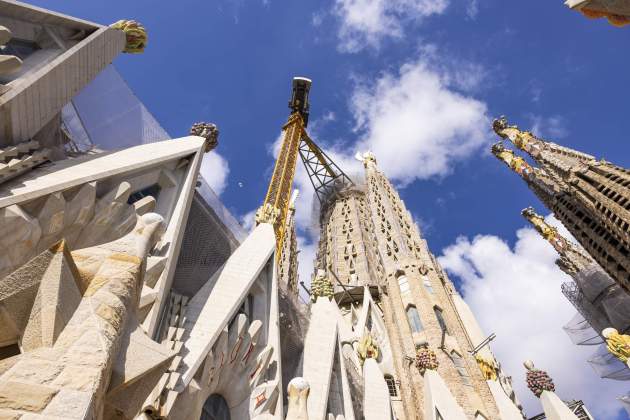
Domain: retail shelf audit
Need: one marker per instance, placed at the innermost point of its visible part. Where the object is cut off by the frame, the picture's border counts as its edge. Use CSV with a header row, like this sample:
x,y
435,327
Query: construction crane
x,y
325,175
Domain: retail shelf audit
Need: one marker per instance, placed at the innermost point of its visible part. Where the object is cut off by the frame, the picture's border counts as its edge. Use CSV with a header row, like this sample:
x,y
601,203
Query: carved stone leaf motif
x,y
81,220
238,365
76,343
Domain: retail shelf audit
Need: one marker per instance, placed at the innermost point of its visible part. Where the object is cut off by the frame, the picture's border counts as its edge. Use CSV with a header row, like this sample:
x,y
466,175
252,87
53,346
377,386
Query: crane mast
x,y
324,174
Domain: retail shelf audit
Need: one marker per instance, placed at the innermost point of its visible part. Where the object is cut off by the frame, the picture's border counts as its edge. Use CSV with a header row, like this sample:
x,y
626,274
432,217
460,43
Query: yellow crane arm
x,y
276,205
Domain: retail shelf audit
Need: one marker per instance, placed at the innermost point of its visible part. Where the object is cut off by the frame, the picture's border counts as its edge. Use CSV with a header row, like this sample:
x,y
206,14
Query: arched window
x,y
215,408
414,319
440,319
391,385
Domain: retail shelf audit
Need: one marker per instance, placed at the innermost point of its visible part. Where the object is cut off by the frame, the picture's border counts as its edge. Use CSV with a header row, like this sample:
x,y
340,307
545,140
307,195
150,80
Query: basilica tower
x,y
369,240
590,197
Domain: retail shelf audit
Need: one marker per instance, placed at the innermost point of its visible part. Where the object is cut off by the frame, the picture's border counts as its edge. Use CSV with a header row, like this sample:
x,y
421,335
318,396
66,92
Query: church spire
x,y
572,258
591,198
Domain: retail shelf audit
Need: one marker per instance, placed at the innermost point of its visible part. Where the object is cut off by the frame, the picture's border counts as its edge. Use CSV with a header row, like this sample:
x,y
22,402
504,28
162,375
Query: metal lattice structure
x,y
324,174
322,171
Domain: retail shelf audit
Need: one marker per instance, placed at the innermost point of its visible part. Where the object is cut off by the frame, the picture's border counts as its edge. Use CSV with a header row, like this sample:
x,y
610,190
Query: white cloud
x,y
515,293
553,127
248,220
472,9
215,170
415,121
307,254
365,23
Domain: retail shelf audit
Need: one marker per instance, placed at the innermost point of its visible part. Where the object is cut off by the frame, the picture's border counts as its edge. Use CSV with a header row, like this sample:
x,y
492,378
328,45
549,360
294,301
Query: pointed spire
x,y
514,162
572,258
524,140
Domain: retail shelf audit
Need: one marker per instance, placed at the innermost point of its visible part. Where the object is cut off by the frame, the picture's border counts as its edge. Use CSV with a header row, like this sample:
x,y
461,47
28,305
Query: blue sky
x,y
419,81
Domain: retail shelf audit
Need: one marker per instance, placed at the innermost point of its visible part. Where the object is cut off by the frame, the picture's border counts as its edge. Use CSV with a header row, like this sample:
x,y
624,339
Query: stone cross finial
x,y
618,344
136,35
538,380
208,131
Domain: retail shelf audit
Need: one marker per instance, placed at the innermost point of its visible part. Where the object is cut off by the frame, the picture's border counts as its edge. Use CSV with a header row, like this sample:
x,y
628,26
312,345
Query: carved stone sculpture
x,y
538,380
368,348
208,131
321,286
297,391
426,360
618,344
135,33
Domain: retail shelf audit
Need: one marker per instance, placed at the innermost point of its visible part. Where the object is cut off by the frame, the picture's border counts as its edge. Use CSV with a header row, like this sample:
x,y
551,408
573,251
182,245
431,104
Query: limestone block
x,y
69,404
59,294
554,408
438,397
27,397
9,415
138,356
9,64
18,233
51,215
145,205
507,408
376,402
79,210
113,218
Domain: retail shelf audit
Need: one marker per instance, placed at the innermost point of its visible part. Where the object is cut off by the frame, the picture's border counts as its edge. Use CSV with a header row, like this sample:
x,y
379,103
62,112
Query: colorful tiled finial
x,y
538,380
135,33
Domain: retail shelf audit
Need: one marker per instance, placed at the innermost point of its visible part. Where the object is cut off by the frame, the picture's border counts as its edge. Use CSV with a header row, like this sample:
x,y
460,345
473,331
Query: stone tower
x,y
370,241
601,301
590,197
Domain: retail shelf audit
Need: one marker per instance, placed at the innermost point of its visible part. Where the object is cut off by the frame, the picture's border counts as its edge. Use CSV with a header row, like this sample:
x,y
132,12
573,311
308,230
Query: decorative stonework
x,y
136,35
572,258
208,131
488,367
538,380
426,360
587,195
618,344
367,348
297,393
8,63
321,286
267,214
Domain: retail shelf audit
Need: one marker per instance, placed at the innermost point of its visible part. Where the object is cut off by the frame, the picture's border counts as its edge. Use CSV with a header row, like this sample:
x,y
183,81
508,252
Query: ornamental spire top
x,y
572,258
516,163
524,140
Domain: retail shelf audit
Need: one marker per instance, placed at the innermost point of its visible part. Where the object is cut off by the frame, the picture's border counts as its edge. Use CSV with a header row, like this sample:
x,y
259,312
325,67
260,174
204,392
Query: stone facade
x,y
128,292
368,238
590,197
